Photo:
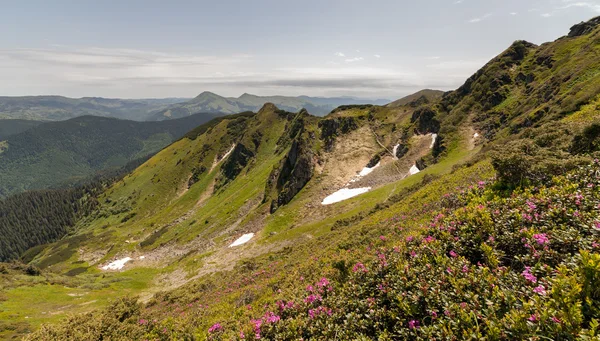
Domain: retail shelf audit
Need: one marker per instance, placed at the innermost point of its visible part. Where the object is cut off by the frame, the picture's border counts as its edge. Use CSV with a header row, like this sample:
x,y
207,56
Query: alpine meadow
x,y
466,213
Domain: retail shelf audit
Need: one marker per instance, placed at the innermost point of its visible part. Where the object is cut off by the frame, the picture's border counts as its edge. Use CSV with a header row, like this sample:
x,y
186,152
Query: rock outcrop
x,y
584,28
294,172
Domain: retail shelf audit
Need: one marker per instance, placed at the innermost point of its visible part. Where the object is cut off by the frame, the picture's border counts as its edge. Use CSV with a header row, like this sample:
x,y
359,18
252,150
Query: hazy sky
x,y
375,48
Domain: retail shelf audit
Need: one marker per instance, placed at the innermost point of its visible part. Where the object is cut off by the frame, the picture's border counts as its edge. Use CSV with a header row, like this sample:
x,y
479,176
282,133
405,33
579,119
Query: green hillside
x,y
418,98
473,215
56,152
58,108
12,127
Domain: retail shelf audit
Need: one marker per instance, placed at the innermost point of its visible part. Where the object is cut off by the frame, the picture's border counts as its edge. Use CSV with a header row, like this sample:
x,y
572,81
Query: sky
x,y
368,49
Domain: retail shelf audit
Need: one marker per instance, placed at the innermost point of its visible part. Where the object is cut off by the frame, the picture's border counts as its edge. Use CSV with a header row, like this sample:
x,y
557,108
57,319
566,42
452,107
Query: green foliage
x,y
56,152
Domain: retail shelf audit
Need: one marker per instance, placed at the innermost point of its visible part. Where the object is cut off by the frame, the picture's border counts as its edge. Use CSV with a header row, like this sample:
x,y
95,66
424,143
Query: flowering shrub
x,y
522,267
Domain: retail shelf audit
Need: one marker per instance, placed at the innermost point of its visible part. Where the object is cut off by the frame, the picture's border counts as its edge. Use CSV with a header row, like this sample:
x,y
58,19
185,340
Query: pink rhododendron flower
x,y
528,275
215,328
541,238
413,324
540,290
453,254
359,267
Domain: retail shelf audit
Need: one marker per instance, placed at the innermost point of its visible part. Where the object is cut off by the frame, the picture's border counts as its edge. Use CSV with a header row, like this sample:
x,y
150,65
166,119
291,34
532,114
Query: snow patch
x,y
227,154
414,170
217,161
366,171
118,264
476,135
395,151
433,139
242,240
142,257
343,194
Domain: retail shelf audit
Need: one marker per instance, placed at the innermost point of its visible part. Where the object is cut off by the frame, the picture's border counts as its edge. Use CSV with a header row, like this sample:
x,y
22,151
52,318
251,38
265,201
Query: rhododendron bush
x,y
524,266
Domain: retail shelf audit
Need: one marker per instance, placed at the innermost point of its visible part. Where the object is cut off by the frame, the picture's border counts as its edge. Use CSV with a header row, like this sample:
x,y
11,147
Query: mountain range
x,y
210,102
471,214
58,108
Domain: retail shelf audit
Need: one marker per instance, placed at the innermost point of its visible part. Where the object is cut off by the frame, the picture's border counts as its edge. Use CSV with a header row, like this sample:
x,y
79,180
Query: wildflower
x,y
409,239
433,314
541,238
242,335
382,238
312,298
143,321
528,275
465,269
359,267
413,324
556,319
428,239
215,328
540,290
597,225
413,254
323,282
270,317
453,254
533,318
310,288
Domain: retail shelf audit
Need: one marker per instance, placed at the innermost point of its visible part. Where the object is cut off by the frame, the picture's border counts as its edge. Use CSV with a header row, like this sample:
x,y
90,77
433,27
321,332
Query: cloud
x,y
480,19
355,59
592,5
569,4
377,56
433,58
513,13
458,2
128,73
339,54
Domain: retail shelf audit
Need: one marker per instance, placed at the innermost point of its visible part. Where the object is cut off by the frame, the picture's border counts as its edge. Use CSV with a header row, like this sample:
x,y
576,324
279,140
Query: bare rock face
x,y
295,172
330,129
584,28
234,164
425,121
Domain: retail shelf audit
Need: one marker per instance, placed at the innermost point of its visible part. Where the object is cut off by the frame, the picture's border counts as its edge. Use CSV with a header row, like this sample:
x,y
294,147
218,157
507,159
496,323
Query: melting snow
x,y
142,257
117,265
343,194
242,240
414,170
366,171
476,135
433,138
229,152
395,151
